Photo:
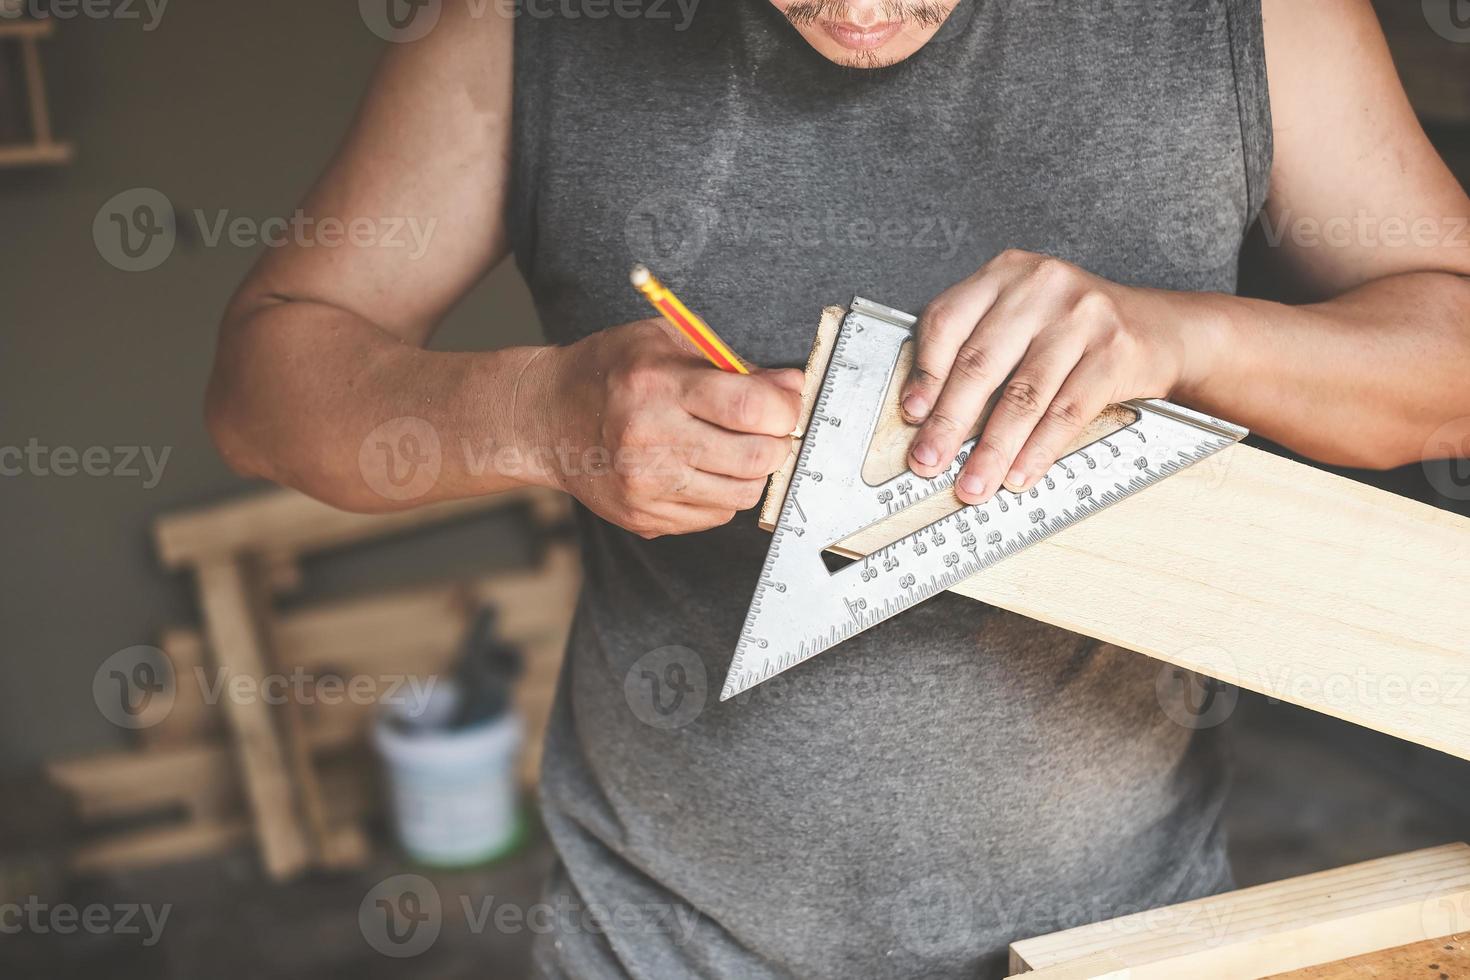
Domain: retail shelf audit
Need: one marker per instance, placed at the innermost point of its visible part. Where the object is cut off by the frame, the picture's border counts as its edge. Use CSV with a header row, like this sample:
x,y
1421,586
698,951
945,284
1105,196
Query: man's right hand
x,y
650,436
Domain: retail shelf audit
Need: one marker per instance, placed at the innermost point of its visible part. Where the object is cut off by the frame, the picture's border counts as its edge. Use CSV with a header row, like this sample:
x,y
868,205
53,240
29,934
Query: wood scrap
x,y
284,522
41,148
143,808
235,638
393,640
1248,568
1268,929
242,553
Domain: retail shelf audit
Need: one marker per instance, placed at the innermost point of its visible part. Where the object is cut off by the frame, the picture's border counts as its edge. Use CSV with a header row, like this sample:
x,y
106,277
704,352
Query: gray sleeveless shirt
x,y
959,777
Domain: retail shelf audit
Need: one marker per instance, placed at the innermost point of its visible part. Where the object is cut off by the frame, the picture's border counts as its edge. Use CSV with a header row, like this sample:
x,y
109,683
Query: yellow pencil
x,y
690,325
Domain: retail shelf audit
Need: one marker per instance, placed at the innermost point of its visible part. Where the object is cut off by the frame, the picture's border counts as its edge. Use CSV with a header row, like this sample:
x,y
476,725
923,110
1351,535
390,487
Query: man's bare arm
x,y
1364,377
1366,215
323,344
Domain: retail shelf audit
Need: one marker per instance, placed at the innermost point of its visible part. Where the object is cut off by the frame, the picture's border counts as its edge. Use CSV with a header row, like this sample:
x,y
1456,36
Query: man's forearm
x,y
314,397
1361,380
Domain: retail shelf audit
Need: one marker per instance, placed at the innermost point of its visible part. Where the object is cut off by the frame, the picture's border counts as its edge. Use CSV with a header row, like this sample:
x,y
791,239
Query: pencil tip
x,y
639,275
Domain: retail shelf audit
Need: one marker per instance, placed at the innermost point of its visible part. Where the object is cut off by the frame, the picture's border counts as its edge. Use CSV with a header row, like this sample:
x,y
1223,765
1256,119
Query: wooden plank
x,y
413,633
185,719
201,782
162,845
18,29
53,154
1263,573
36,91
238,648
332,845
199,778
283,522
1256,932
1444,958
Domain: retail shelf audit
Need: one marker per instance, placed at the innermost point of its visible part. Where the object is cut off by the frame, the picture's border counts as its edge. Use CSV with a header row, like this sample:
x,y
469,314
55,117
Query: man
x,y
1063,188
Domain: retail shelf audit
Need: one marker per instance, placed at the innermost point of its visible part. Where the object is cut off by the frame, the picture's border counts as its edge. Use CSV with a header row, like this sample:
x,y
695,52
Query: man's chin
x,y
898,48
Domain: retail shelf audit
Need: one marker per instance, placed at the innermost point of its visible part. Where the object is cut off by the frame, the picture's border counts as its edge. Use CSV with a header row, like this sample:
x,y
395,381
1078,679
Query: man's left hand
x,y
1053,345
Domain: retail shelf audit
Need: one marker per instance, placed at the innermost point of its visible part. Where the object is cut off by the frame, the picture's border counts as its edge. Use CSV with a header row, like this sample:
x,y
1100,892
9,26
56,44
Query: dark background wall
x,y
231,106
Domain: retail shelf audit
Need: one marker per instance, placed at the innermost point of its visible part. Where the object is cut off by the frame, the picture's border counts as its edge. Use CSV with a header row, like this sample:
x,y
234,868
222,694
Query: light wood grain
x,y
175,803
234,636
386,641
1444,958
1260,572
285,523
1256,932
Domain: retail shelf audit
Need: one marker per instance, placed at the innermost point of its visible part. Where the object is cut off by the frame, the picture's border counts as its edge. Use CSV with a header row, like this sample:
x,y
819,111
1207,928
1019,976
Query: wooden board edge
x,y
286,524
1286,944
